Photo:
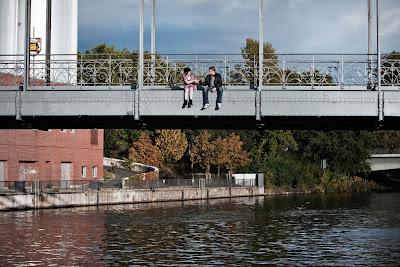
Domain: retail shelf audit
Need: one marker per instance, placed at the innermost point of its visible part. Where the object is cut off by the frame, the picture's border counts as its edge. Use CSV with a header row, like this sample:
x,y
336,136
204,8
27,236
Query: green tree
x,y
117,142
346,152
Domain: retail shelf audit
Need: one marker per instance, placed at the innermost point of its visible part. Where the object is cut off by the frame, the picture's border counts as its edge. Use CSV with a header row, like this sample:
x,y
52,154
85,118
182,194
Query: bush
x,y
289,173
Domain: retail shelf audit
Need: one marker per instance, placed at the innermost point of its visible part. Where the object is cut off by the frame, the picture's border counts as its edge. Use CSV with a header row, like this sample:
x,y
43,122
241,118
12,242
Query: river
x,y
338,229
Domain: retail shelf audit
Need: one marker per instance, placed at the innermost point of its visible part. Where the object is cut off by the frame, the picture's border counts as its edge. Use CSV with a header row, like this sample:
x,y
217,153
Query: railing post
x,y
342,74
48,40
283,72
81,70
167,71
225,70
313,72
110,70
378,46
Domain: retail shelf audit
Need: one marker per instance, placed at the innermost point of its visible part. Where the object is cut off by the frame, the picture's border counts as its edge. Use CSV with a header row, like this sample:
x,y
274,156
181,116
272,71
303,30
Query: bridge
x,y
138,90
384,162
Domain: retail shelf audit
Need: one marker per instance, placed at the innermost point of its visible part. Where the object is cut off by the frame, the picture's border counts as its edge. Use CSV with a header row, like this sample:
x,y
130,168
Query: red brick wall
x,y
44,151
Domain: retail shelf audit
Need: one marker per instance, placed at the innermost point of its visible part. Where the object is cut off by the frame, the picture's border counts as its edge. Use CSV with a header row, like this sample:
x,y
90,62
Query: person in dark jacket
x,y
213,83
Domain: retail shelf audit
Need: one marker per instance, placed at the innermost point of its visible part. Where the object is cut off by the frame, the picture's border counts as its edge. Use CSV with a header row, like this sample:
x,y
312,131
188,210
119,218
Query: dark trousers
x,y
205,95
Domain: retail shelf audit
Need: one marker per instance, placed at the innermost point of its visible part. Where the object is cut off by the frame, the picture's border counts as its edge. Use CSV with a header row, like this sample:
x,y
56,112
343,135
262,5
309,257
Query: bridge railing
x,y
166,70
319,70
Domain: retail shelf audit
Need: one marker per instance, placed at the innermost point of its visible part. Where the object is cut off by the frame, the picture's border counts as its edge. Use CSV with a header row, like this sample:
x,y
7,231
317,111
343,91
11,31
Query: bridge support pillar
x,y
381,106
18,104
258,105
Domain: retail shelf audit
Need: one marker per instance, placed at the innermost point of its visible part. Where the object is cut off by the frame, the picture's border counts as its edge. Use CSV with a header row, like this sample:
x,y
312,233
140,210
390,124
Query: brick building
x,y
65,154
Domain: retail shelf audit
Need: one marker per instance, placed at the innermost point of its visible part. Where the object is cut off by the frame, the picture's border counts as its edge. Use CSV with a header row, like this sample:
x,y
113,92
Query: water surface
x,y
342,230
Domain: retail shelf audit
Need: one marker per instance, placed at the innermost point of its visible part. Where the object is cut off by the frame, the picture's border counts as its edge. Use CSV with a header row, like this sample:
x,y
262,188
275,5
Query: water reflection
x,y
298,230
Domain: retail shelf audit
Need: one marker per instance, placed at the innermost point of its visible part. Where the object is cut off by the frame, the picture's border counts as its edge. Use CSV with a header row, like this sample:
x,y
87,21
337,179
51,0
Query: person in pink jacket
x,y
190,82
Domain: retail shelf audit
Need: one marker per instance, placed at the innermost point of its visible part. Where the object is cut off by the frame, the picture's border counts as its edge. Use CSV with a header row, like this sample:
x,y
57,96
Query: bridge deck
x,y
242,108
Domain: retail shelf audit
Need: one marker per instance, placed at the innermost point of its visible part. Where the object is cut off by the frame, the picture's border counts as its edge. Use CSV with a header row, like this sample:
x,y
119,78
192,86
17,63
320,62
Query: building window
x,y
94,172
84,171
94,137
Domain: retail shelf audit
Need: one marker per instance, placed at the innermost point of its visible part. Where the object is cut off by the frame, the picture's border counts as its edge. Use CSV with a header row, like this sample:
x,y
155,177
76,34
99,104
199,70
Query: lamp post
x,y
153,41
369,44
260,44
27,44
379,74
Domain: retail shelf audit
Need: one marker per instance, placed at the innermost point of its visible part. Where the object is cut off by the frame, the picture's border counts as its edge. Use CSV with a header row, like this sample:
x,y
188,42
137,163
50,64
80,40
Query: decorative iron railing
x,y
279,71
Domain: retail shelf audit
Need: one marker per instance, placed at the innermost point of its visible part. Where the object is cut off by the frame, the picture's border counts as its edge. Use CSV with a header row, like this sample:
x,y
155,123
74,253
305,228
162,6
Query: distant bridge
x,y
384,162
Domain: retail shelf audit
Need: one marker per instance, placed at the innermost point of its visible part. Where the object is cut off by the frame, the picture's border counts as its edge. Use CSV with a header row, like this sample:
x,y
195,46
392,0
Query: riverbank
x,y
121,196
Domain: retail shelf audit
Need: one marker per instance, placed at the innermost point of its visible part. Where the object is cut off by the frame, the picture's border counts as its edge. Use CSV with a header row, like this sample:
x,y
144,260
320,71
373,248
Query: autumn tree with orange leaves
x,y
229,153
144,151
223,152
202,152
172,144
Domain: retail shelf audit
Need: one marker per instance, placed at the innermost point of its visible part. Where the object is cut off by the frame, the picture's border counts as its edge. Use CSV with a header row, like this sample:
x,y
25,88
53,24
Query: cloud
x,y
296,3
209,26
391,23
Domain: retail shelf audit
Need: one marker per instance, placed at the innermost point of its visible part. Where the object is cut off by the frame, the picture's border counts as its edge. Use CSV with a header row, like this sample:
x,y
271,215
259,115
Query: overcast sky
x,y
221,26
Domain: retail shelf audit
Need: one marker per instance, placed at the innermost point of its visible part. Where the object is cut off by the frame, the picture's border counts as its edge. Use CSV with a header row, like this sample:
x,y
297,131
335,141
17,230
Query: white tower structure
x,y
64,28
64,32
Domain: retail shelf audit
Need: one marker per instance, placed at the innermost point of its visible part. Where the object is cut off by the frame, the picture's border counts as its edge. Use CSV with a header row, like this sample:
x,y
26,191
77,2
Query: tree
x,y
172,144
346,152
117,142
250,53
144,151
202,152
229,153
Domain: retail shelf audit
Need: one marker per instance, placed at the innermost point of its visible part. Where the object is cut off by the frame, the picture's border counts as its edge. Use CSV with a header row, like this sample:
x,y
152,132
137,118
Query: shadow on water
x,y
337,229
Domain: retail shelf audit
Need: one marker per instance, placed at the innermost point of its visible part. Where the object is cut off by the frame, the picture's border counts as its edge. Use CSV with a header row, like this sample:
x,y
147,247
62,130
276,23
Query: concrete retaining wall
x,y
125,196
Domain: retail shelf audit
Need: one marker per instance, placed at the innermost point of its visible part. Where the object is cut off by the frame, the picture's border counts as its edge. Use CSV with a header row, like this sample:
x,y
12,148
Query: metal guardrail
x,y
55,186
72,186
187,183
165,70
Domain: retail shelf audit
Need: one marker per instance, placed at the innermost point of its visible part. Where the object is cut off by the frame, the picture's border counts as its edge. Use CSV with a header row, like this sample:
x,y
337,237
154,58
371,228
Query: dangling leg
x,y
191,89
186,96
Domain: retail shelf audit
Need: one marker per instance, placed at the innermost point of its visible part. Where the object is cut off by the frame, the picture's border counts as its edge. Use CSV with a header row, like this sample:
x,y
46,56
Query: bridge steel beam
x,y
27,43
153,39
313,103
162,108
379,76
370,44
260,44
141,59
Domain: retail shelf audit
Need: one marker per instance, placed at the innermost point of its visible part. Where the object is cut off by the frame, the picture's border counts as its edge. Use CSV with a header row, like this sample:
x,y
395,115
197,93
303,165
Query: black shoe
x,y
184,104
190,103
